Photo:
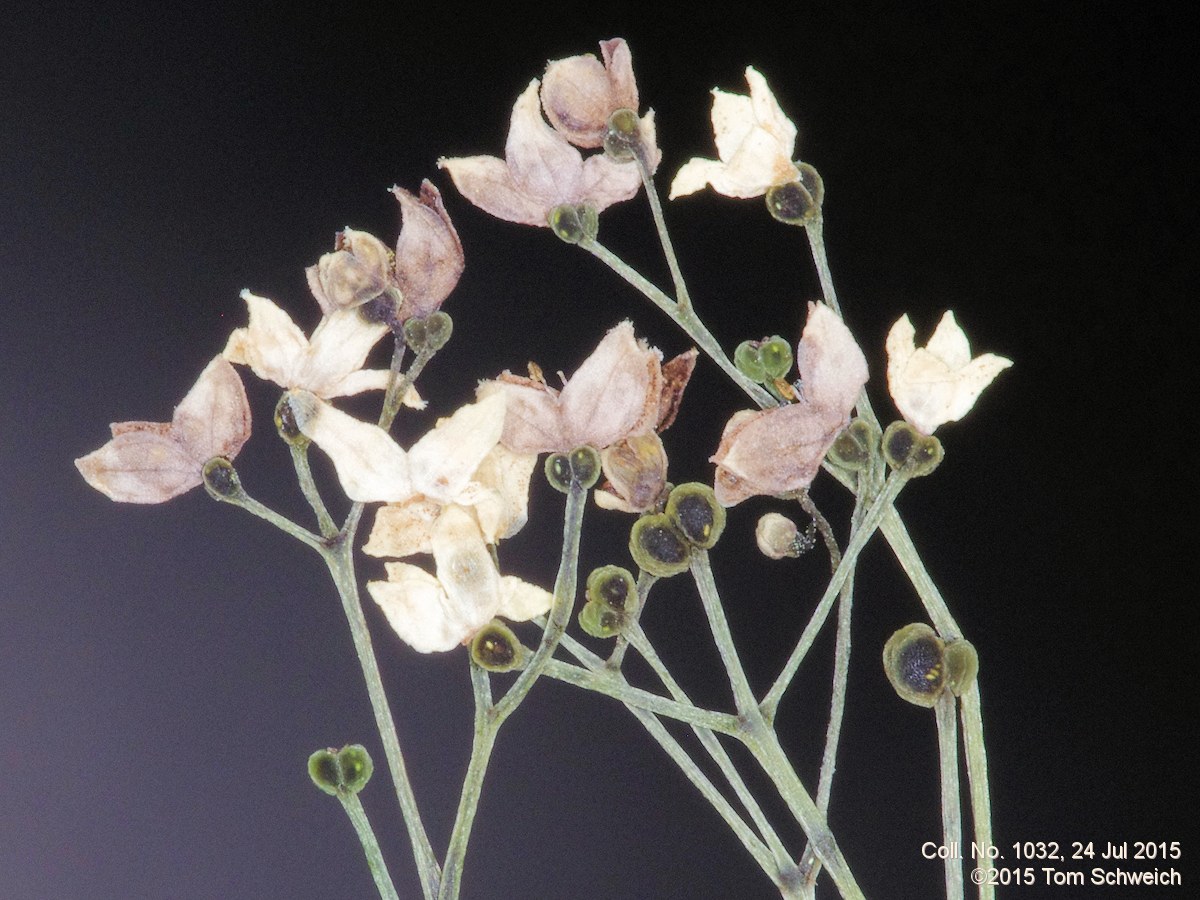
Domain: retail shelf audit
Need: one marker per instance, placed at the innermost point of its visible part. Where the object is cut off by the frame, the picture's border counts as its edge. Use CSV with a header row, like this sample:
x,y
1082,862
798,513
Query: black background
x,y
165,671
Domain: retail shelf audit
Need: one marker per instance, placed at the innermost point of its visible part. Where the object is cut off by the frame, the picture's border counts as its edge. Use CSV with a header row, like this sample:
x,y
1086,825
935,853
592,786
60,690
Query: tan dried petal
x,y
772,451
150,462
940,382
580,93
358,270
832,368
540,171
429,254
676,374
636,469
615,393
403,529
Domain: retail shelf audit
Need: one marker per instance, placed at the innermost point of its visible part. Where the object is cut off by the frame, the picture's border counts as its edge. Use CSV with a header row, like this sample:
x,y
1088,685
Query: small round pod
x,y
613,586
962,665
910,451
776,355
430,334
658,547
777,536
341,772
496,649
574,223
748,360
914,661
600,620
853,448
286,425
797,202
221,480
694,511
581,466
623,136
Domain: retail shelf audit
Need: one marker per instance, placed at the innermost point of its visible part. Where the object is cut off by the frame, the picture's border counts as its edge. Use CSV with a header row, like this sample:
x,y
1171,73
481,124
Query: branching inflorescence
x,y
577,144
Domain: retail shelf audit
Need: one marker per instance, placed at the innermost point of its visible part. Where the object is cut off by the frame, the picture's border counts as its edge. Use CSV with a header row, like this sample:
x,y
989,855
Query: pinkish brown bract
x,y
150,462
618,391
541,170
774,451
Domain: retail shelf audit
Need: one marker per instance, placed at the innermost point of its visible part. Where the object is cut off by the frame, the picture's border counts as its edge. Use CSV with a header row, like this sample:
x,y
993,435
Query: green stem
x,y
837,709
612,685
660,224
560,612
284,524
858,539
684,317
692,772
309,488
366,835
398,386
761,740
947,729
977,772
935,605
340,561
743,695
486,728
708,740
763,743
645,581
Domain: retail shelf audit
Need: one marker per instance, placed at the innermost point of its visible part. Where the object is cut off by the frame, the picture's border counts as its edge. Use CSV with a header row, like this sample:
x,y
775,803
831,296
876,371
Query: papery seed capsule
x,y
962,665
613,586
221,479
622,136
852,448
776,354
324,770
600,620
694,510
438,328
496,648
792,203
777,536
914,662
357,767
558,472
585,465
906,448
573,223
657,546
341,772
749,361
285,423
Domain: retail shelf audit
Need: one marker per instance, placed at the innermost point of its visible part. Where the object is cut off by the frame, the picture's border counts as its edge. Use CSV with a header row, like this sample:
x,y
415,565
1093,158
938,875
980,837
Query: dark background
x,y
165,671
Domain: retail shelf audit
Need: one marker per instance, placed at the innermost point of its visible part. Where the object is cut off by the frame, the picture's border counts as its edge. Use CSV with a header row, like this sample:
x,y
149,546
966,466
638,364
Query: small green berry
x,y
908,450
341,772
914,661
221,479
613,586
749,362
600,620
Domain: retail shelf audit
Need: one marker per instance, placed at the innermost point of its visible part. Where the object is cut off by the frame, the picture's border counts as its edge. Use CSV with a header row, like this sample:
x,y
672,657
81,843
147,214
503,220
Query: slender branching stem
x,y
660,224
309,488
977,772
560,612
609,683
339,559
753,844
947,729
743,694
482,745
685,318
858,540
366,835
641,643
